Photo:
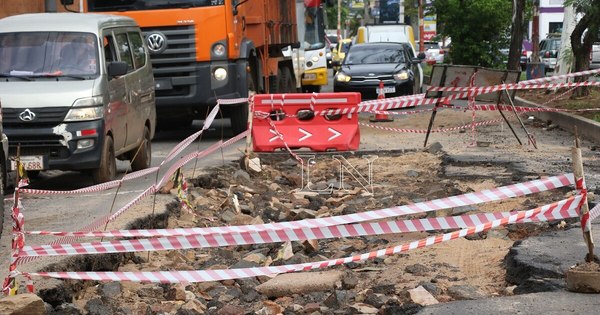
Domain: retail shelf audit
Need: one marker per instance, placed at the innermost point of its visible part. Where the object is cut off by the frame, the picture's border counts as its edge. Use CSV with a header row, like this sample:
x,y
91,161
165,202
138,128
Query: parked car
x,y
595,56
340,52
77,92
365,65
549,48
433,53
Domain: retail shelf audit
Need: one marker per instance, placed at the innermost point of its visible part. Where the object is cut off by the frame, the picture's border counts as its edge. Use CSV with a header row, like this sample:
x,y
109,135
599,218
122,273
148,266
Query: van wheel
x,y
108,164
144,153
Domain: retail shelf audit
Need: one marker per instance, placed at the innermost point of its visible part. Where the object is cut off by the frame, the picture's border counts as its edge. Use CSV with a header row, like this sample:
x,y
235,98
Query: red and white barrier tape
x,y
102,221
595,212
560,210
488,195
227,274
509,86
480,123
562,76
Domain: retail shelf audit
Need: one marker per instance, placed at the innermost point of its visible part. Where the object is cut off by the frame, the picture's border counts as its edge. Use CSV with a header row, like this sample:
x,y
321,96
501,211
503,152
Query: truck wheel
x,y
311,88
108,165
144,153
239,113
286,81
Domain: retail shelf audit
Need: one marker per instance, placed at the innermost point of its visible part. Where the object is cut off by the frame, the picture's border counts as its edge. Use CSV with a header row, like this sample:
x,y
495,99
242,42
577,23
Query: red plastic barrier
x,y
292,116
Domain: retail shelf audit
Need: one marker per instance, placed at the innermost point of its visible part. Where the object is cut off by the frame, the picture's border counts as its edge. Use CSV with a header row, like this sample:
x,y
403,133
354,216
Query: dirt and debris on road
x,y
403,173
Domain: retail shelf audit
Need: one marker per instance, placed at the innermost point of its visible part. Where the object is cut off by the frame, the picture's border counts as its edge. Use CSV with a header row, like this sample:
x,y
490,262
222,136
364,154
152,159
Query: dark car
x,y
365,65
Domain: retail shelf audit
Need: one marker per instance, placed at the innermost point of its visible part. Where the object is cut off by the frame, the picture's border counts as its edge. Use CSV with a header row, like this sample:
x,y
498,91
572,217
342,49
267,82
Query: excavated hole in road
x,y
399,177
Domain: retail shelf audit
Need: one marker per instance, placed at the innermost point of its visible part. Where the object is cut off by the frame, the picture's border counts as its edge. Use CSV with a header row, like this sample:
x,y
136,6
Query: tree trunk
x,y
516,36
582,44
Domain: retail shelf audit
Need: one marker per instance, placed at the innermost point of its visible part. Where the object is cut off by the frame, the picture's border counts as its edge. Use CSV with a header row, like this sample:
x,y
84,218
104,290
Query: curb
x,y
587,128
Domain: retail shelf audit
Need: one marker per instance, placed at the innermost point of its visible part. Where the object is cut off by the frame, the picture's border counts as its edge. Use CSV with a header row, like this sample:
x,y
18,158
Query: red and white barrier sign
x,y
299,121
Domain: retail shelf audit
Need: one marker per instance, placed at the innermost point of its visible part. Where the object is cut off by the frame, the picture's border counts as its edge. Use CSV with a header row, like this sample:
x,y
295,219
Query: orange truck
x,y
204,50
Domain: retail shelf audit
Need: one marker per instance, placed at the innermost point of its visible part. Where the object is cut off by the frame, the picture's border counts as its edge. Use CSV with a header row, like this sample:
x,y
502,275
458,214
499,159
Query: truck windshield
x,y
49,54
314,36
139,5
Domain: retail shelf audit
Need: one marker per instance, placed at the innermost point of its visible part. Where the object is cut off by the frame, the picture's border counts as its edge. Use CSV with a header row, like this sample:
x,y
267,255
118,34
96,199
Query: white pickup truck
x,y
595,56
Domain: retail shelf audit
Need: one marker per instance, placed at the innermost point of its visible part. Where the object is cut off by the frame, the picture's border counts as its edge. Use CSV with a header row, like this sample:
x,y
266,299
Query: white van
x,y
77,91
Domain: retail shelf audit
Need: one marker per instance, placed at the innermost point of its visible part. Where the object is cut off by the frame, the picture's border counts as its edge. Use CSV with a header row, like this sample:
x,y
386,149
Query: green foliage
x,y
331,13
478,29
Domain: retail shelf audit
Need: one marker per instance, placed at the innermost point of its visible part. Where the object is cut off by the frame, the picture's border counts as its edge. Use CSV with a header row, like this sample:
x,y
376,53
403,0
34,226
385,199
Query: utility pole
x,y
421,28
401,12
339,20
535,35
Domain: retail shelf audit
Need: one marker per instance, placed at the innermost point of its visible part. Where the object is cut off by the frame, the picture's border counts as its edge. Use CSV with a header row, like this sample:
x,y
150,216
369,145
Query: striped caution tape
x,y
509,86
561,77
227,274
487,195
520,109
148,191
560,210
595,212
441,130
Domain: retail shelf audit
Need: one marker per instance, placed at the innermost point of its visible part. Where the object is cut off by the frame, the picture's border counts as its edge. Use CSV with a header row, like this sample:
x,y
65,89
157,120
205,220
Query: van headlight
x,y
85,113
90,108
402,75
220,74
342,77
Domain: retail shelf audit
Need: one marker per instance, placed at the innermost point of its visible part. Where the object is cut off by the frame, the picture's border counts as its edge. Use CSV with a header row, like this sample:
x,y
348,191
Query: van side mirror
x,y
66,2
336,63
117,68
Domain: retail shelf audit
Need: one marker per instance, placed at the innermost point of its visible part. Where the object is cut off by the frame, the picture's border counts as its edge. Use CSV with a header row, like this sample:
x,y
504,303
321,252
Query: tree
x,y
516,35
478,29
584,35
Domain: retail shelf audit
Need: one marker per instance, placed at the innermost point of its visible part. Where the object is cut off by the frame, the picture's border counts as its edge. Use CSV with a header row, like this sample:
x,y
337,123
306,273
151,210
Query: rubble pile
x,y
272,192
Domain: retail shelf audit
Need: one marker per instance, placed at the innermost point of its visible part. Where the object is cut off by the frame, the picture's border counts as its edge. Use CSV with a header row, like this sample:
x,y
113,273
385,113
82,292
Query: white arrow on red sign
x,y
275,137
335,134
306,134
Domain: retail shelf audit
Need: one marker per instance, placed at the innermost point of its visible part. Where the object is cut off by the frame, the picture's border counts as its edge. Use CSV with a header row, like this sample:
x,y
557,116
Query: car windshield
x,y
550,44
369,54
139,5
49,54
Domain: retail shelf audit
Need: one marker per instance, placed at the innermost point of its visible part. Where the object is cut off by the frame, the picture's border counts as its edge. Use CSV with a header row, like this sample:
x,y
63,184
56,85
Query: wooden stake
x,y
584,215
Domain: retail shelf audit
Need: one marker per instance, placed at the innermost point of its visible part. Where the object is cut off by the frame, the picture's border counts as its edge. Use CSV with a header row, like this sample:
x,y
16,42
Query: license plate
x,y
310,76
31,163
386,89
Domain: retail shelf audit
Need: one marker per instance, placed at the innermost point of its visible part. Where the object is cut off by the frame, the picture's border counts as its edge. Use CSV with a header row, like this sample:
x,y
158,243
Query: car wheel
x,y
142,155
107,170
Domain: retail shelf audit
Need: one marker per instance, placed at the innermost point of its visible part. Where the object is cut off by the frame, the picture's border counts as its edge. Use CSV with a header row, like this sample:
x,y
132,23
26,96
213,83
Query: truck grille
x,y
177,61
44,117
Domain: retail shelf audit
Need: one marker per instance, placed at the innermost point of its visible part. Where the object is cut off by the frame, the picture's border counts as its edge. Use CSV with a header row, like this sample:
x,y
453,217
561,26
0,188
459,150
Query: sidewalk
x,y
538,264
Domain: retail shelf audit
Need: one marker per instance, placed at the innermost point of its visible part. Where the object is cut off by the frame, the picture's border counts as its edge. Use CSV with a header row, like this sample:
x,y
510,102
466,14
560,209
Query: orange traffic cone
x,y
380,117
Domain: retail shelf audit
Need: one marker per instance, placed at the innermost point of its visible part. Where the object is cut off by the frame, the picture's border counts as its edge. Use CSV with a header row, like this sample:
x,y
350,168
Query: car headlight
x,y
90,108
85,113
342,77
315,58
219,50
402,75
220,74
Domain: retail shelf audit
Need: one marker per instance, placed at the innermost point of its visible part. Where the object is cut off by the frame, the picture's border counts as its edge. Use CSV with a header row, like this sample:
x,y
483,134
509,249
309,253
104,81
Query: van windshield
x,y
49,54
139,5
